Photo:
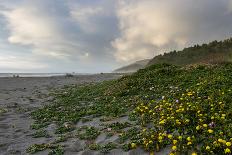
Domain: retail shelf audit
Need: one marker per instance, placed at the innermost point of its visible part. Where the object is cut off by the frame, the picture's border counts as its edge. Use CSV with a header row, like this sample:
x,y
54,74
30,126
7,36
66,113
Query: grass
x,y
40,133
3,110
104,148
130,134
171,105
118,126
90,133
64,129
54,149
37,125
36,148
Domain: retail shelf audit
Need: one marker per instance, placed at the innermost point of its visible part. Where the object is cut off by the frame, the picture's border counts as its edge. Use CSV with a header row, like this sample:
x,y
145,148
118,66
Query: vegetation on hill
x,y
187,109
212,53
133,67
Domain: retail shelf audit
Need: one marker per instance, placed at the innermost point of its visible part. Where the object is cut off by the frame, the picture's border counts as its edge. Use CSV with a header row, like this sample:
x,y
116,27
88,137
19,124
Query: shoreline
x,y
50,75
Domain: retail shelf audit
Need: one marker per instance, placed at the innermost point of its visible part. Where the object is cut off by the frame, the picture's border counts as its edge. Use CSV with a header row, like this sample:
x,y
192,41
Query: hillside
x,y
212,53
132,67
162,108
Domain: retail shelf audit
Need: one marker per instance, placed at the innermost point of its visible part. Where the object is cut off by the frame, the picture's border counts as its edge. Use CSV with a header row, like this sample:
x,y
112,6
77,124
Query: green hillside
x,y
133,67
187,110
212,53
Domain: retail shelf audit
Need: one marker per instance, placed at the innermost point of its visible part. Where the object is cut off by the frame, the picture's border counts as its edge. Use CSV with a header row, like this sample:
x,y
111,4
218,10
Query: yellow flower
x,y
198,127
228,143
164,134
171,153
207,148
133,145
151,153
210,131
180,137
220,140
162,122
194,153
205,125
189,143
189,139
227,150
160,138
174,147
174,142
150,141
178,122
224,141
170,136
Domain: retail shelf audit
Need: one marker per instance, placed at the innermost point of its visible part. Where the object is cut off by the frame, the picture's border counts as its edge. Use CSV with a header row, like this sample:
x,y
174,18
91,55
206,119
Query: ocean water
x,y
32,74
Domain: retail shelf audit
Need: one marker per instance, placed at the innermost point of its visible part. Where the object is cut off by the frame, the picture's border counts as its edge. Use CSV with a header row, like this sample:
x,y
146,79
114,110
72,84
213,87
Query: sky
x,y
90,36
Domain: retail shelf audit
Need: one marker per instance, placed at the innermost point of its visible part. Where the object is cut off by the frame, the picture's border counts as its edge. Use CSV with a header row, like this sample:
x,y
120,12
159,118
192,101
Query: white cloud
x,y
27,27
20,63
82,15
42,31
152,27
229,6
147,26
97,33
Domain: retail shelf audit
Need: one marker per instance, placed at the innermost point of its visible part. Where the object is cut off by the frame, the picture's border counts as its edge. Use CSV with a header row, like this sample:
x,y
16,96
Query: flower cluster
x,y
191,123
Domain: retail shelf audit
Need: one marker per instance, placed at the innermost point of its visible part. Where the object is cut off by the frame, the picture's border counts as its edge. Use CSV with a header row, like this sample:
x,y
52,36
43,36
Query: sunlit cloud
x,y
151,27
104,34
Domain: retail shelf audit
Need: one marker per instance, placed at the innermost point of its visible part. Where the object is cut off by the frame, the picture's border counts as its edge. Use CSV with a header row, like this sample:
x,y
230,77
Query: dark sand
x,y
20,96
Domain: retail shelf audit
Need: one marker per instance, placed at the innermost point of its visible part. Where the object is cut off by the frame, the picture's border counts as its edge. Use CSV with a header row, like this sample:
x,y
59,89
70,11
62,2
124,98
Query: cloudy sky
x,y
101,35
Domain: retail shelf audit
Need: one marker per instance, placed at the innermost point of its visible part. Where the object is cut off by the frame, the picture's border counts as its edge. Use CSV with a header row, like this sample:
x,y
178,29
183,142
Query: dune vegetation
x,y
212,53
184,109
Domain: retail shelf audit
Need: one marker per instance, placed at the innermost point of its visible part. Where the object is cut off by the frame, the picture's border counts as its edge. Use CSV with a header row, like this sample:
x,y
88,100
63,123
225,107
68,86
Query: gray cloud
x,y
67,32
151,27
94,36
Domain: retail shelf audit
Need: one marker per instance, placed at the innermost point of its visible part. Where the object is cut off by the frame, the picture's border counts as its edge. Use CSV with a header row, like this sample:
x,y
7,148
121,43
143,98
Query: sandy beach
x,y
20,96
